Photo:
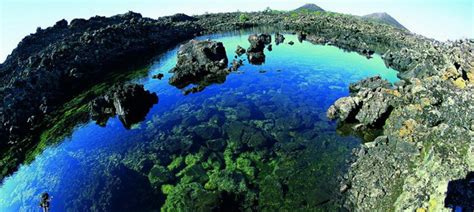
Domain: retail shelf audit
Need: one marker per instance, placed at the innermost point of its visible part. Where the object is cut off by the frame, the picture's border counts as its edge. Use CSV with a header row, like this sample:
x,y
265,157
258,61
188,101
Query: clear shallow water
x,y
257,141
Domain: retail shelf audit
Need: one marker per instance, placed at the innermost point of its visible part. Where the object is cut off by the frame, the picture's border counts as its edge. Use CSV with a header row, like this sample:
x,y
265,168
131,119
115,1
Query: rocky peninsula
x,y
426,119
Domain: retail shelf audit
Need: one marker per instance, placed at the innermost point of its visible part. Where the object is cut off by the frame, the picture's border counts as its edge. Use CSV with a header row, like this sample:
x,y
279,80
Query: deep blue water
x,y
299,83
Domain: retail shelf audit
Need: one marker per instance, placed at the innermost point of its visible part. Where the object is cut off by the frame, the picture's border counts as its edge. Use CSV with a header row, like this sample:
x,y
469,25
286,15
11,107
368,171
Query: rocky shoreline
x,y
428,126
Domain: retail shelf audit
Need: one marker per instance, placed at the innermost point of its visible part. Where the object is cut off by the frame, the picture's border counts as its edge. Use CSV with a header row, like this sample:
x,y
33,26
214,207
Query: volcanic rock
x,y
240,51
198,61
279,38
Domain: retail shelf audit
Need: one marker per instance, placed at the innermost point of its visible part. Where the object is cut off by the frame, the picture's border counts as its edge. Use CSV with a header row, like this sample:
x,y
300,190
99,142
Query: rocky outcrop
x,y
279,38
370,103
236,64
407,168
200,62
240,51
412,159
301,36
255,52
54,64
130,102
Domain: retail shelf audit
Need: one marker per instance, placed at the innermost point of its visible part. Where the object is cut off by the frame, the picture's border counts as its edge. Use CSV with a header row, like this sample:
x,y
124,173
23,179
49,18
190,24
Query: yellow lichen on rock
x,y
420,210
393,92
433,203
460,83
415,107
470,75
425,101
408,128
450,73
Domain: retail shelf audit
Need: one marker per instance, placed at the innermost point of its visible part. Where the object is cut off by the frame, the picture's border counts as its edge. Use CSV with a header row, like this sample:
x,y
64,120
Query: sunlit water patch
x,y
258,141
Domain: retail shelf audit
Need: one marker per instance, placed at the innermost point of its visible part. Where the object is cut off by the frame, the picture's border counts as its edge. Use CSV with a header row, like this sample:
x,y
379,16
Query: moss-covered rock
x,y
159,175
191,197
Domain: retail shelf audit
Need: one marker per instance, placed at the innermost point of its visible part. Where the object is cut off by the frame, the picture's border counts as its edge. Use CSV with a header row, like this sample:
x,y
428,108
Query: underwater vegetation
x,y
259,141
248,134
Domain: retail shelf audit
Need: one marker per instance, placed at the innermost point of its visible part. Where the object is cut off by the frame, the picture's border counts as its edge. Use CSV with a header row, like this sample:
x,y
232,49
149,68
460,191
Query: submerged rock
x,y
158,76
130,102
200,62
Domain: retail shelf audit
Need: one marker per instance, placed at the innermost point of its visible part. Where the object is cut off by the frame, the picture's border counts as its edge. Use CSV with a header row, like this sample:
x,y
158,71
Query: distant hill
x,y
384,18
309,8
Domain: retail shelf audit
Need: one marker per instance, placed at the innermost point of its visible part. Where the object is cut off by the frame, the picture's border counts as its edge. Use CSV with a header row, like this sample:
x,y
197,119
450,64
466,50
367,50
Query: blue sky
x,y
439,19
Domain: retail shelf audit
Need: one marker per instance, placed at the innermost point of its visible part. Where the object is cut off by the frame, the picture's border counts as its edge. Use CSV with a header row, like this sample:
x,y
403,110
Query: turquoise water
x,y
260,140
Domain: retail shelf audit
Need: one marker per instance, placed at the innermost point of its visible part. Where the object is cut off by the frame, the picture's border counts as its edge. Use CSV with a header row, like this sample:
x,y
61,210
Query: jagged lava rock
x,y
196,60
279,38
257,45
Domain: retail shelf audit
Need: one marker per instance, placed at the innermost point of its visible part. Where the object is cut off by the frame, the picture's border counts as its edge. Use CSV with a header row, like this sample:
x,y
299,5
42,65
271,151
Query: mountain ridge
x,y
310,8
383,17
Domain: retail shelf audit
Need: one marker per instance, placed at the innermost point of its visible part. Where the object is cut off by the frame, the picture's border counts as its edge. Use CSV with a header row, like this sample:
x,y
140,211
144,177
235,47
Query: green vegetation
x,y
243,17
61,123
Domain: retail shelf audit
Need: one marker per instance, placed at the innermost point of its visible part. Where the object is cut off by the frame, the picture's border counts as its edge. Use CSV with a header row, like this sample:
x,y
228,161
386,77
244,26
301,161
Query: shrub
x,y
243,17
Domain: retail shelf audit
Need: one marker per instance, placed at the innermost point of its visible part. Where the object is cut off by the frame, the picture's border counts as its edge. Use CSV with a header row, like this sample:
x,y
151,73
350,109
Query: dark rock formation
x,y
236,64
200,62
130,102
367,52
158,76
255,52
291,43
51,66
240,51
428,135
301,36
279,38
180,17
269,47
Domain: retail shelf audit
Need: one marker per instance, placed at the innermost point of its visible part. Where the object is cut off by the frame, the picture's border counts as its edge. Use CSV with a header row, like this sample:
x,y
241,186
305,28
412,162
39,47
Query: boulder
x,y
370,103
198,61
158,76
255,52
236,64
375,109
344,108
240,51
279,38
269,47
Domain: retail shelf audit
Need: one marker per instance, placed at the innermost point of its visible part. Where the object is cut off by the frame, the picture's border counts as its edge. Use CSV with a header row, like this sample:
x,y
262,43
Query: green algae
x,y
61,123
